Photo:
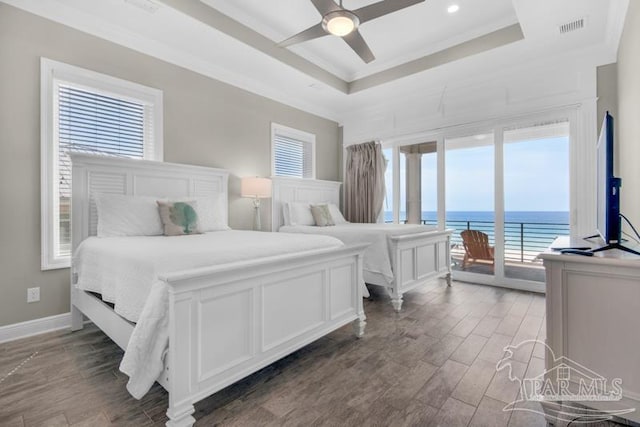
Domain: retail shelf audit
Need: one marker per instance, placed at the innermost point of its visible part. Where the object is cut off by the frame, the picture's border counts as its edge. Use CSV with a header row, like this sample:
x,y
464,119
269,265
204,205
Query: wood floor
x,y
433,364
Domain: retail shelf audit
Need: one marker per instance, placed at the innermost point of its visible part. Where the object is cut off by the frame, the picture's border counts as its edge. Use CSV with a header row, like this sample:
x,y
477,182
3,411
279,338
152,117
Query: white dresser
x,y
593,318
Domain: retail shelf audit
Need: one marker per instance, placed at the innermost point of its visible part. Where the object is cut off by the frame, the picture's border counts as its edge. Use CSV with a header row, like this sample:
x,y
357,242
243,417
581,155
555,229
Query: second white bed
x,y
400,257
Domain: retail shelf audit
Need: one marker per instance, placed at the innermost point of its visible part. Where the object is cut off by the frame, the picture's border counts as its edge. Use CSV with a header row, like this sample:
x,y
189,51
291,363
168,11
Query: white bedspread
x,y
125,271
377,257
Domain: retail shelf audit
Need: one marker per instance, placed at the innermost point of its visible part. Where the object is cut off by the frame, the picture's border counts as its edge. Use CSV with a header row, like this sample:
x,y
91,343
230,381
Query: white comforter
x,y
125,271
377,257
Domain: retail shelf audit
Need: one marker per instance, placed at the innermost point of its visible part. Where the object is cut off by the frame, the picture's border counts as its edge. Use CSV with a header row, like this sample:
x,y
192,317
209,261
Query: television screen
x,y
608,197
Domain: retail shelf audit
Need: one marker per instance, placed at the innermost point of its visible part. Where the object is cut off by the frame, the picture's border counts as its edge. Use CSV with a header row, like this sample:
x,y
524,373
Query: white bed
x,y
399,257
228,302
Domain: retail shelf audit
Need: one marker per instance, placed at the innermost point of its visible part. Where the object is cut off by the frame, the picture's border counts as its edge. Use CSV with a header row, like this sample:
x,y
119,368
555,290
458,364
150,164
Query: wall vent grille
x,y
578,24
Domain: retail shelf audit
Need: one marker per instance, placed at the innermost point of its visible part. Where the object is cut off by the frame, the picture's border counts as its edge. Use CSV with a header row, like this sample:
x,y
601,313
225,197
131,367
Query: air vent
x,y
569,27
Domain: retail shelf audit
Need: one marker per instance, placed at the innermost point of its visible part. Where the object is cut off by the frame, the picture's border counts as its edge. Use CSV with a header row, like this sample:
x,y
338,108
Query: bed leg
x,y
77,322
448,279
359,325
181,416
396,302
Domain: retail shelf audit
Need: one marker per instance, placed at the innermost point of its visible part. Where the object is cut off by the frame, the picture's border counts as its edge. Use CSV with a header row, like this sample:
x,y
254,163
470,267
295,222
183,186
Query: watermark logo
x,y
562,386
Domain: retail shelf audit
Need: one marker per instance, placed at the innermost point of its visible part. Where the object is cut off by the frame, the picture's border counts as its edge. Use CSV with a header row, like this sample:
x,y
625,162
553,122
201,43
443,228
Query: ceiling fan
x,y
341,22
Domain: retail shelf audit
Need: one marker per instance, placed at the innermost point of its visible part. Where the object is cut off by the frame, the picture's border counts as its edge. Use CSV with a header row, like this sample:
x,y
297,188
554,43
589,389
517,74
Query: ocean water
x,y
525,231
545,217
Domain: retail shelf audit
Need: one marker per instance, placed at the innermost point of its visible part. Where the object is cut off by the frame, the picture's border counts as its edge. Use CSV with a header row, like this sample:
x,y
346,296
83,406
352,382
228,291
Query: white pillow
x,y
120,215
300,214
212,215
336,214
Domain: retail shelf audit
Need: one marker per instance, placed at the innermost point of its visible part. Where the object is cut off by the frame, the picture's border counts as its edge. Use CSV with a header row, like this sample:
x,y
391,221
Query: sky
x,y
536,177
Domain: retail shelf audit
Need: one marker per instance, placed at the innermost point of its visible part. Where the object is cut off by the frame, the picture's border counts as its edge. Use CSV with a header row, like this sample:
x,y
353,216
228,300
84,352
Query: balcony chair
x,y
476,248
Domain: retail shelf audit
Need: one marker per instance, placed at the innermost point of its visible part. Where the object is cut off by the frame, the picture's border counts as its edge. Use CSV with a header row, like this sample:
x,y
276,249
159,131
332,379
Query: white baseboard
x,y
34,327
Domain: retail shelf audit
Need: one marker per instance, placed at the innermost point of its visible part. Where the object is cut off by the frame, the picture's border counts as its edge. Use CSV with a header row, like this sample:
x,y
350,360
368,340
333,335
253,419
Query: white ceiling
x,y
396,38
313,76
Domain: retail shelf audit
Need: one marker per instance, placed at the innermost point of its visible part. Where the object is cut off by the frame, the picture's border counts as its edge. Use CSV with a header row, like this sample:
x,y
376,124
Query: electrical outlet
x,y
33,294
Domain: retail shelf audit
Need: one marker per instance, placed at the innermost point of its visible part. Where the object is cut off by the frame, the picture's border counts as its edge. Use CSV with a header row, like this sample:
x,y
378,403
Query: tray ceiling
x,y
397,38
421,51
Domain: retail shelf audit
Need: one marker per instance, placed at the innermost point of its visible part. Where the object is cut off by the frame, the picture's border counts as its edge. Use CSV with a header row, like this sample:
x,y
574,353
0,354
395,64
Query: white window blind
x,y
293,153
88,112
92,122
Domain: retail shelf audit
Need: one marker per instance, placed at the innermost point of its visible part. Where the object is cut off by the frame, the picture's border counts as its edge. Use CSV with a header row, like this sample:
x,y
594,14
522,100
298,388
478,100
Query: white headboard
x,y
300,190
102,174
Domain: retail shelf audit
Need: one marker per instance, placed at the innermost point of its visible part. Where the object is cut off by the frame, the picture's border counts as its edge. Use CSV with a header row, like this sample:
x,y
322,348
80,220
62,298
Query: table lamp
x,y
257,188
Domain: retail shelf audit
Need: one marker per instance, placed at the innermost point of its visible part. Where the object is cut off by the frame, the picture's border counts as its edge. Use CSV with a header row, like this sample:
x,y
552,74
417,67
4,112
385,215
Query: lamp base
x,y
256,215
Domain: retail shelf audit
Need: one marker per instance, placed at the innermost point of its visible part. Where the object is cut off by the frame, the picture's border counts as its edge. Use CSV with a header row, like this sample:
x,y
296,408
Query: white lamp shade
x,y
255,187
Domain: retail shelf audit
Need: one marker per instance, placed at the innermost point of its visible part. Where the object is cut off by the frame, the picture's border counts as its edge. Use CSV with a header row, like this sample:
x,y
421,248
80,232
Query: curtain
x,y
364,182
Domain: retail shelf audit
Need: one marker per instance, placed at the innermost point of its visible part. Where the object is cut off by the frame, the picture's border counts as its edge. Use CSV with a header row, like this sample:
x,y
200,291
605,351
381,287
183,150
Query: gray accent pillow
x,y
321,215
179,218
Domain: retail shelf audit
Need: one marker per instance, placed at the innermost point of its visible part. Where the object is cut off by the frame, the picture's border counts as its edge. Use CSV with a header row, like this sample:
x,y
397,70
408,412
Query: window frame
x,y
51,74
297,134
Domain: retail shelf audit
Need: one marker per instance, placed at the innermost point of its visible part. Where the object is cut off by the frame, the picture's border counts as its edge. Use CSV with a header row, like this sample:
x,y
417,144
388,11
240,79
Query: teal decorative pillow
x,y
179,218
321,215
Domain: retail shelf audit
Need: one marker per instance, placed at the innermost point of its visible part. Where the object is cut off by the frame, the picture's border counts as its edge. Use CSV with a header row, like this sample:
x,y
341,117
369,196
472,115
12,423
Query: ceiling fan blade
x,y
376,10
359,46
308,34
325,6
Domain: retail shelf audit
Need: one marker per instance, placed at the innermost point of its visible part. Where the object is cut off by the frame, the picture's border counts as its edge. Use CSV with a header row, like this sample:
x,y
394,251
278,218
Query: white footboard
x,y
417,259
228,322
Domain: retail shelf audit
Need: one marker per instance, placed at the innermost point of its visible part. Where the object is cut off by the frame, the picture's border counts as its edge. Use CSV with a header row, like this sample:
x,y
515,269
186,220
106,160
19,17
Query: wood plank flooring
x,y
432,364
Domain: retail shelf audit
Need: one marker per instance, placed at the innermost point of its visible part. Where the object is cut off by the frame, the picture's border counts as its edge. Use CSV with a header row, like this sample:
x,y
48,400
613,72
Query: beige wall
x,y
607,84
607,89
206,122
628,119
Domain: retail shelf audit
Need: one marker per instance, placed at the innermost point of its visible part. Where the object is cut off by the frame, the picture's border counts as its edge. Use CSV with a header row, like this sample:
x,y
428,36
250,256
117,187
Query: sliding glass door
x,y
536,195
505,191
419,183
416,194
470,201
429,185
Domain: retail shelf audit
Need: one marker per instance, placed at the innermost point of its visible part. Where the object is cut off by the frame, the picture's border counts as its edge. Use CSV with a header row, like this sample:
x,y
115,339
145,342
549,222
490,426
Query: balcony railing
x,y
523,240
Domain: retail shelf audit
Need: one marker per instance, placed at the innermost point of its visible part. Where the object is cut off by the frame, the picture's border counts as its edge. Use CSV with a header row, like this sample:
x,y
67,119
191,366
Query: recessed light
x,y
453,8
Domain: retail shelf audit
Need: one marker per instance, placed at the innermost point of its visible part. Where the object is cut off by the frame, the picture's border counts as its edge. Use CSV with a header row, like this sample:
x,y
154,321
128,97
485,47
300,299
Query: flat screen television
x,y
608,198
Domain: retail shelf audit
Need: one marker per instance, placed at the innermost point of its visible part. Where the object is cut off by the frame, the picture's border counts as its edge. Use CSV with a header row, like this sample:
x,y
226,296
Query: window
x,y
88,112
292,152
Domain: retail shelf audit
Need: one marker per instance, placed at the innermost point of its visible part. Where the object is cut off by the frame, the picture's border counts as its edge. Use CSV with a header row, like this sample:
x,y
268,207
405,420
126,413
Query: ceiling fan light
x,y
340,26
340,23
